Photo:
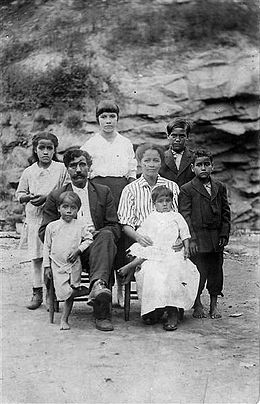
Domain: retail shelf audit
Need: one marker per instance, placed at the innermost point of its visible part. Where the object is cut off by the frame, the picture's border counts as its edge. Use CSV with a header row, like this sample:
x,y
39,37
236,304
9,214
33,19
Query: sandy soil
x,y
204,361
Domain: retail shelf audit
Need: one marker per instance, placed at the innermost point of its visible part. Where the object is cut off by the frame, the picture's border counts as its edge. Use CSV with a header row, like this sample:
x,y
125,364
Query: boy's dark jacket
x,y
208,217
169,169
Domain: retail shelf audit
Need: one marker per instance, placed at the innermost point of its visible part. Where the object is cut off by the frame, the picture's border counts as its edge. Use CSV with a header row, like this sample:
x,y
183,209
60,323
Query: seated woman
x,y
167,279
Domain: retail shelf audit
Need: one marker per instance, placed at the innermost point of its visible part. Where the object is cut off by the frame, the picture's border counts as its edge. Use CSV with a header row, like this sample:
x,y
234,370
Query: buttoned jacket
x,y
208,216
170,171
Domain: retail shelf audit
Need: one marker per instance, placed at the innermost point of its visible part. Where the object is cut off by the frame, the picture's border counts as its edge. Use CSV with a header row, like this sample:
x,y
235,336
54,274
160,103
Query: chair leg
x,y
127,301
52,297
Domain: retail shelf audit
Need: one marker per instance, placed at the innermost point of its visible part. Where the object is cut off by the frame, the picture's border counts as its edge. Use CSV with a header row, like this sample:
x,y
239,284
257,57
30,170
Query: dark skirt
x,y
116,185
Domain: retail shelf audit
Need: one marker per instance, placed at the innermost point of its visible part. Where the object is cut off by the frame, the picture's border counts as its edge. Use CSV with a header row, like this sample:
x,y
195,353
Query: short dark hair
x,y
72,196
142,148
162,190
179,123
107,106
202,153
71,154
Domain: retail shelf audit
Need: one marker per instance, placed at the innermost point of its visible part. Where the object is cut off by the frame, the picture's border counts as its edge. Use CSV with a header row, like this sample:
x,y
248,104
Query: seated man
x,y
99,213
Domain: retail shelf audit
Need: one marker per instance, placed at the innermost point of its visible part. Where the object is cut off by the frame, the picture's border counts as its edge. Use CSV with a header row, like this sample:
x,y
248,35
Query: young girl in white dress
x,y
166,280
65,239
43,175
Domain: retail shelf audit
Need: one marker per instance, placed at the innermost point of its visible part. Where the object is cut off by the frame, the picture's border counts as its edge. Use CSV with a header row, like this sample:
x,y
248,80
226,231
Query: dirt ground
x,y
204,361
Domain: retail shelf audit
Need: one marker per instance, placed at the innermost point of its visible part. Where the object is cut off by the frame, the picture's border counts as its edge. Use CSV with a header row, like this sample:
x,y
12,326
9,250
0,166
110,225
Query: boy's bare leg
x,y
198,309
68,304
214,312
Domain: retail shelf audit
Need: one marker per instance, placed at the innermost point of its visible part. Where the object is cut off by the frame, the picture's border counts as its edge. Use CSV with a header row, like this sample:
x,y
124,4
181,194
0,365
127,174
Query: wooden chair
x,y
130,294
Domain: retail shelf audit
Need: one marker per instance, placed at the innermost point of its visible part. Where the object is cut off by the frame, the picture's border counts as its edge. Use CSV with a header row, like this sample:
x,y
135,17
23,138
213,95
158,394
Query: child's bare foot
x,y
199,312
64,325
213,311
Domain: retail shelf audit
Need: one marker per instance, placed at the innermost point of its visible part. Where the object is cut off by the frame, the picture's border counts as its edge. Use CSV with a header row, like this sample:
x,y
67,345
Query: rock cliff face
x,y
218,93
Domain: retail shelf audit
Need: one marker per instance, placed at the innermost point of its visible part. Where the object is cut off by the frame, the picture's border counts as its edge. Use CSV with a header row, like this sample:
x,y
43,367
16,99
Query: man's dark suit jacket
x,y
208,216
169,169
101,203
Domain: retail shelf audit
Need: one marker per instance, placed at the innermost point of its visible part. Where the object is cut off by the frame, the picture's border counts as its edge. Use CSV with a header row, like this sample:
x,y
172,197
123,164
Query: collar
x,y
143,183
76,189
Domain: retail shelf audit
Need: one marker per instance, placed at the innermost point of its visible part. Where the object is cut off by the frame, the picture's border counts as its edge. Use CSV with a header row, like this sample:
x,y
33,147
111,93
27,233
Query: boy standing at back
x,y
203,204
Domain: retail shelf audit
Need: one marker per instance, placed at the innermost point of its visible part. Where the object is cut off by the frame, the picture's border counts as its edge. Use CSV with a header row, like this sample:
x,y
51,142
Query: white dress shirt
x,y
84,214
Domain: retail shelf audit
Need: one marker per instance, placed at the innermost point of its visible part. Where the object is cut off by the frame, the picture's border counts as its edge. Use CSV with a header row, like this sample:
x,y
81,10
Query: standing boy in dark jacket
x,y
204,205
178,158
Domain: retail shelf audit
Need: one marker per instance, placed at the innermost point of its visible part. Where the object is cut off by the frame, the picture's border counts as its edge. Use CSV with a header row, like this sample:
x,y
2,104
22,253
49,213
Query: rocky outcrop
x,y
219,93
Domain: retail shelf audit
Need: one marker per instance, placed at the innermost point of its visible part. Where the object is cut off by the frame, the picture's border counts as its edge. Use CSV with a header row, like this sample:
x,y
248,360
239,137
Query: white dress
x,y
37,180
165,278
61,238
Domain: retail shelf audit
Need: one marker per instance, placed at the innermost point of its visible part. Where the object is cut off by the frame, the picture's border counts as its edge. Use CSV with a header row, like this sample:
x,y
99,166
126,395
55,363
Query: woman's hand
x,y
38,200
145,241
222,242
73,256
186,253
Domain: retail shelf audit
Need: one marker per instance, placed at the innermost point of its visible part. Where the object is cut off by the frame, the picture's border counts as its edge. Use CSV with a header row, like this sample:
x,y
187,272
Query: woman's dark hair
x,y
71,196
71,154
148,146
107,106
43,136
162,190
202,153
179,123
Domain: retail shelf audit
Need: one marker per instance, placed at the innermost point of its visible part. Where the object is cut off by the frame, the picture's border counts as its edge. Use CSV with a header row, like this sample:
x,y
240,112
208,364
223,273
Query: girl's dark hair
x,y
148,146
71,196
71,154
107,106
162,190
43,136
202,153
179,123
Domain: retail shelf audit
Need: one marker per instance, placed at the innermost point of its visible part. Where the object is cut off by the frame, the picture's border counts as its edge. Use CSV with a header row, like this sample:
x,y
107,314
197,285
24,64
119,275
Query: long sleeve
x,y
185,209
225,214
86,239
23,186
183,227
126,209
50,213
47,248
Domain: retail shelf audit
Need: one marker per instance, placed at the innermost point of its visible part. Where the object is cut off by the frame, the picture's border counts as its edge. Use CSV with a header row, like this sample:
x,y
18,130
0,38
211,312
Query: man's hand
x,y
47,273
145,241
73,256
38,200
193,248
222,242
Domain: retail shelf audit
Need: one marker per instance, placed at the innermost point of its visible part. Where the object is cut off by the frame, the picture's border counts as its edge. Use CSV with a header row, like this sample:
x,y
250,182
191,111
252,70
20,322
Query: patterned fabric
x,y
136,202
115,159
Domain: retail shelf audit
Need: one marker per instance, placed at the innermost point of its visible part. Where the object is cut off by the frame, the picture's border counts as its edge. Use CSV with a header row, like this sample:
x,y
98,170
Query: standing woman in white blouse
x,y
113,157
113,164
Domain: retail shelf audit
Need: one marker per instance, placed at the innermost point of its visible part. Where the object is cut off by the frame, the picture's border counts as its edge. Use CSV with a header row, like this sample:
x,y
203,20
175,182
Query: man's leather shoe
x,y
104,325
100,291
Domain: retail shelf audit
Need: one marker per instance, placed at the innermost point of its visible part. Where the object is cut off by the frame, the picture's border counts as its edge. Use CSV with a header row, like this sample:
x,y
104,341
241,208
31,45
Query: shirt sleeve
x,y
47,248
86,239
132,163
126,208
23,186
